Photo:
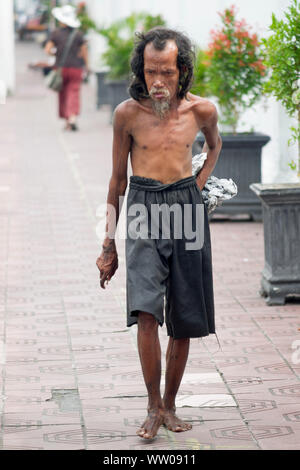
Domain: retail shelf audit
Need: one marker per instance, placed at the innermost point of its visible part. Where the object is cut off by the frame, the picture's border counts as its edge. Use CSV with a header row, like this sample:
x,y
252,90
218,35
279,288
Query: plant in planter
x,y
235,75
281,201
119,36
200,85
283,58
235,70
120,40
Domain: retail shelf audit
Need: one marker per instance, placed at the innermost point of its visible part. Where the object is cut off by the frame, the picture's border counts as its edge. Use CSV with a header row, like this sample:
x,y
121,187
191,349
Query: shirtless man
x,y
157,127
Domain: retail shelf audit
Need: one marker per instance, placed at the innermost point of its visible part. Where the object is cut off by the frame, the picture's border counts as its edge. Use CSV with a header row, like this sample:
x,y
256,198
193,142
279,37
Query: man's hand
x,y
107,262
200,181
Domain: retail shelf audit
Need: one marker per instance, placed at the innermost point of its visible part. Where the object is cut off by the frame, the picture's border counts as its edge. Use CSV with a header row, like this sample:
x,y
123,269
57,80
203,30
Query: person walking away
x,y
76,61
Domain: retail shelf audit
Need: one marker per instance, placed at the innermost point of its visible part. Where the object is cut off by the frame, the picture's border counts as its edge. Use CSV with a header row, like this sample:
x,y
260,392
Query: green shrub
x,y
282,55
120,41
200,86
235,71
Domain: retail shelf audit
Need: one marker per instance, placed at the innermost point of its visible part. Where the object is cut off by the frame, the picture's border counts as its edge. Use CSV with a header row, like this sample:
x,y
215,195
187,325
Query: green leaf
x,y
120,41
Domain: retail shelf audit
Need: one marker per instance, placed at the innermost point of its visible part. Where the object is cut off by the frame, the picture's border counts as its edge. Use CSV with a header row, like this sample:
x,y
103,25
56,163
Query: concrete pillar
x,y
7,49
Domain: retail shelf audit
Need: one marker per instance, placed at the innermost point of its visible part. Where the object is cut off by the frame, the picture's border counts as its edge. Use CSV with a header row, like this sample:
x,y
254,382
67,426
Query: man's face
x,y
161,76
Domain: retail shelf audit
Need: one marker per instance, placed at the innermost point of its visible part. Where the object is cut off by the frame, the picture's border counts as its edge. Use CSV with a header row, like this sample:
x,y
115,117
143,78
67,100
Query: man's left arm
x,y
213,142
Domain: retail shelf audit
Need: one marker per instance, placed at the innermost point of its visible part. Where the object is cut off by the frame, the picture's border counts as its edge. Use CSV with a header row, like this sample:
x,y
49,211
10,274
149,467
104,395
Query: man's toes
x,y
180,427
141,432
184,426
149,428
145,434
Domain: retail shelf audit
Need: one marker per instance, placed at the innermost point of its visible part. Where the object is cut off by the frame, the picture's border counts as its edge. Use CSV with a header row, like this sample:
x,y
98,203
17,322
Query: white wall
x,y
7,52
101,11
197,18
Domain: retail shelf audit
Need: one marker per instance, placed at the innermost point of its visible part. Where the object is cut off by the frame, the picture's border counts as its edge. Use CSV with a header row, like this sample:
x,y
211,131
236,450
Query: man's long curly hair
x,y
185,60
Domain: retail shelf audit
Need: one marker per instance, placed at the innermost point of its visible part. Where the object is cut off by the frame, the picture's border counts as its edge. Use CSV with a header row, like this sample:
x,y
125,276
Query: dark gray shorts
x,y
161,272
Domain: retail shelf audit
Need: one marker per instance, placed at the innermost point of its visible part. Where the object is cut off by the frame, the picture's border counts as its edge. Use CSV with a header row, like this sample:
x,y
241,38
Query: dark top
x,y
59,37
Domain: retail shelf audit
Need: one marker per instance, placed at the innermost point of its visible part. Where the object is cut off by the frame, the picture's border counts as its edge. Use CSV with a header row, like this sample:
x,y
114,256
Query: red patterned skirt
x,y
69,96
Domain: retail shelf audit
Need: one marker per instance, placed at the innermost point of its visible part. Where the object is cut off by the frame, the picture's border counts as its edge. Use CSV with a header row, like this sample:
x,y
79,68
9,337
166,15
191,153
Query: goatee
x,y
160,107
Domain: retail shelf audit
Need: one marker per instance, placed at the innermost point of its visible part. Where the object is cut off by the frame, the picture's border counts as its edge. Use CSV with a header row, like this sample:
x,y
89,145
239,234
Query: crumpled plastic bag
x,y
216,190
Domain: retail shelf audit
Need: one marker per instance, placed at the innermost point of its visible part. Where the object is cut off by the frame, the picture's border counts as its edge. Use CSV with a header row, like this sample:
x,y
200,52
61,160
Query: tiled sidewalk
x,y
71,377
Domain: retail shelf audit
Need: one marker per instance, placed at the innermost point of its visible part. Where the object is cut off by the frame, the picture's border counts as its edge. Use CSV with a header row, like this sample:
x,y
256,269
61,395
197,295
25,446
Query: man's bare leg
x,y
150,357
176,357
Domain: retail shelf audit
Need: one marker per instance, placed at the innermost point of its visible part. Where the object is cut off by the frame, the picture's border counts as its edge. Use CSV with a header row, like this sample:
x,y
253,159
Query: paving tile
x,y
17,443
44,417
275,445
63,438
23,437
276,436
204,400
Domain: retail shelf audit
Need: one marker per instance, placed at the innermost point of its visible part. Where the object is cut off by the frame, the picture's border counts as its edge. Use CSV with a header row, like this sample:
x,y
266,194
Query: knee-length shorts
x,y
168,256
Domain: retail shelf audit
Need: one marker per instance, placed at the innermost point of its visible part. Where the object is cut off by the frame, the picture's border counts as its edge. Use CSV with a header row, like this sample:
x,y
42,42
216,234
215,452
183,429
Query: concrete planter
x,y
117,92
102,89
281,218
240,159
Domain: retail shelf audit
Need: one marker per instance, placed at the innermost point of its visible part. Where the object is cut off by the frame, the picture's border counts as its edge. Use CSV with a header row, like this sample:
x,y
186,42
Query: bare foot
x,y
150,426
173,423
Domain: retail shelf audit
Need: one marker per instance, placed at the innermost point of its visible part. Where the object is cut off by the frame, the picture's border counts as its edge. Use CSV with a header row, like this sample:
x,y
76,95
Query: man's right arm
x,y
107,262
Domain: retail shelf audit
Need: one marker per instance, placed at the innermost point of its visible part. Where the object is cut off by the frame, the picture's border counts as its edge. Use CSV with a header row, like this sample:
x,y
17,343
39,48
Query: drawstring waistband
x,y
150,184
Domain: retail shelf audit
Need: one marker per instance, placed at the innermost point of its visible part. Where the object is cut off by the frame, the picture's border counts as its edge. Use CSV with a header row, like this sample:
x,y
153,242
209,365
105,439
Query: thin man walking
x,y
157,128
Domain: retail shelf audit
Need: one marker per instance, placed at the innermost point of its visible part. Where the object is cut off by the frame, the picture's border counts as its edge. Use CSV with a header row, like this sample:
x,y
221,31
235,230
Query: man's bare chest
x,y
159,134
